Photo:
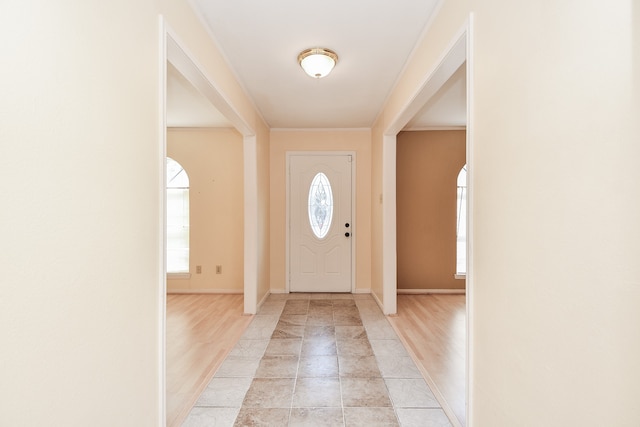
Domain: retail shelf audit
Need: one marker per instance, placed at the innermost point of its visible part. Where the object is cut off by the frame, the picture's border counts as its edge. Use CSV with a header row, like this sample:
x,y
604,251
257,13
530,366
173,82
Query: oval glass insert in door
x,y
320,205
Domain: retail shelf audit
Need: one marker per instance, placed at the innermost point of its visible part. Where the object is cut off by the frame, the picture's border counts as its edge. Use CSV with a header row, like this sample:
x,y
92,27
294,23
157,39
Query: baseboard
x,y
377,300
357,291
264,298
431,291
204,291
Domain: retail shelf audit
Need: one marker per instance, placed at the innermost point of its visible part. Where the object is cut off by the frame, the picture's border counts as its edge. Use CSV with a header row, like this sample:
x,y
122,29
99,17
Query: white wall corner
x,y
250,224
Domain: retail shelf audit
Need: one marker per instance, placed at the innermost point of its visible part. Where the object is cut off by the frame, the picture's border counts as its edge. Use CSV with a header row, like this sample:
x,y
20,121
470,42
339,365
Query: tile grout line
x,y
295,380
344,415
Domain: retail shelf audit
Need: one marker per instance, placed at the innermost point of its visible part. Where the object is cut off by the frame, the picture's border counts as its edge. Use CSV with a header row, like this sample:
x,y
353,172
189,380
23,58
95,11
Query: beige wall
x,y
428,164
554,287
213,160
81,265
82,161
356,140
376,211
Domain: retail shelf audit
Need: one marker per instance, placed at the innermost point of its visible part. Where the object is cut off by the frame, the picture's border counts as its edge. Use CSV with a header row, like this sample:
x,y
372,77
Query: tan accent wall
x,y
356,140
428,164
213,160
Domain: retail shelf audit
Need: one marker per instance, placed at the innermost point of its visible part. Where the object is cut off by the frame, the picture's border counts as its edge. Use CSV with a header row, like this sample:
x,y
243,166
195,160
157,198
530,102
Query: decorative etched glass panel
x,y
320,205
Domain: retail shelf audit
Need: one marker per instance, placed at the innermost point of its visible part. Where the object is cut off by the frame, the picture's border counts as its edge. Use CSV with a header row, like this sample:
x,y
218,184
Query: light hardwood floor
x,y
201,331
433,329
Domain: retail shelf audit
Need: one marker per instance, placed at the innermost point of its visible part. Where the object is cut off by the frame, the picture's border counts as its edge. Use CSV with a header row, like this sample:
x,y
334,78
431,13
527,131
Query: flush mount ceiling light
x,y
318,61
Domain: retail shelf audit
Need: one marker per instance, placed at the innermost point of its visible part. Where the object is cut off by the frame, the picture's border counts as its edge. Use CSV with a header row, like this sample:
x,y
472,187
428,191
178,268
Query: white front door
x,y
320,228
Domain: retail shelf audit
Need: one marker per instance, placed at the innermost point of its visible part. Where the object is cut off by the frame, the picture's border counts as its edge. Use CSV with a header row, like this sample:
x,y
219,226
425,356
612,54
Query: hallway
x,y
318,360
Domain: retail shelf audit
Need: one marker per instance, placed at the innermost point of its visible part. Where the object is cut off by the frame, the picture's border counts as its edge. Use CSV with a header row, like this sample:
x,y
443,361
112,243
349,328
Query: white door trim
x,y
354,222
389,228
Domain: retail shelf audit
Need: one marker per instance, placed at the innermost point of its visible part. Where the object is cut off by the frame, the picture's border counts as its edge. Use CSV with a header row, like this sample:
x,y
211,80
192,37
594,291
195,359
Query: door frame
x,y
354,224
172,49
459,50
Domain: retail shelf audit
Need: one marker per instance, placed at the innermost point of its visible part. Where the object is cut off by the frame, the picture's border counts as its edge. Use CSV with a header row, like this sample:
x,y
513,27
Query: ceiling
x,y
261,43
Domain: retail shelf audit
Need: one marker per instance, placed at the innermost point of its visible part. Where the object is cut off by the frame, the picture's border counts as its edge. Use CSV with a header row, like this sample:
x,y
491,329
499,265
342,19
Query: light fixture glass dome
x,y
317,62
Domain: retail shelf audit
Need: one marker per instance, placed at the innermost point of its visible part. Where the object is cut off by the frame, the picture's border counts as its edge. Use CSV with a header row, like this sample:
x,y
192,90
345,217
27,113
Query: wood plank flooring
x,y
201,331
433,329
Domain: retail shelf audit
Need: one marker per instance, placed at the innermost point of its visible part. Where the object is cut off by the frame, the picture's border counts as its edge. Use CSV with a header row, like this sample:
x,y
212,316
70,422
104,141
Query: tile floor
x,y
318,360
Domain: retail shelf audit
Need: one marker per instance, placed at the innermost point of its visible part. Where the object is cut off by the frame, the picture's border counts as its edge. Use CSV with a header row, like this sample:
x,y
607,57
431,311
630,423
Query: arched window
x,y
461,221
177,218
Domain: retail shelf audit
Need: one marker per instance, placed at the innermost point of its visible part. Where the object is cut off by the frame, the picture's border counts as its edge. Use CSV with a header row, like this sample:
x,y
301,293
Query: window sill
x,y
178,276
460,276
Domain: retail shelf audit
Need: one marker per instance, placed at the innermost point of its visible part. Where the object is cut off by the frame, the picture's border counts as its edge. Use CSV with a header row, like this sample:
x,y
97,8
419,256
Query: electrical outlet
x,y
198,269
218,269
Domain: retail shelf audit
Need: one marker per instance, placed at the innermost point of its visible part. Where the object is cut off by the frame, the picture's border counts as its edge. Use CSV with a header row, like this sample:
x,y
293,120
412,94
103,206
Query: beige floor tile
x,y
346,319
318,295
261,327
273,307
350,332
319,347
296,307
249,348
317,392
364,392
411,393
320,319
225,392
367,417
320,304
284,347
351,347
358,366
316,417
292,320
319,331
411,417
341,296
277,367
234,366
261,417
318,366
206,417
288,331
388,348
269,393
398,367
344,302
